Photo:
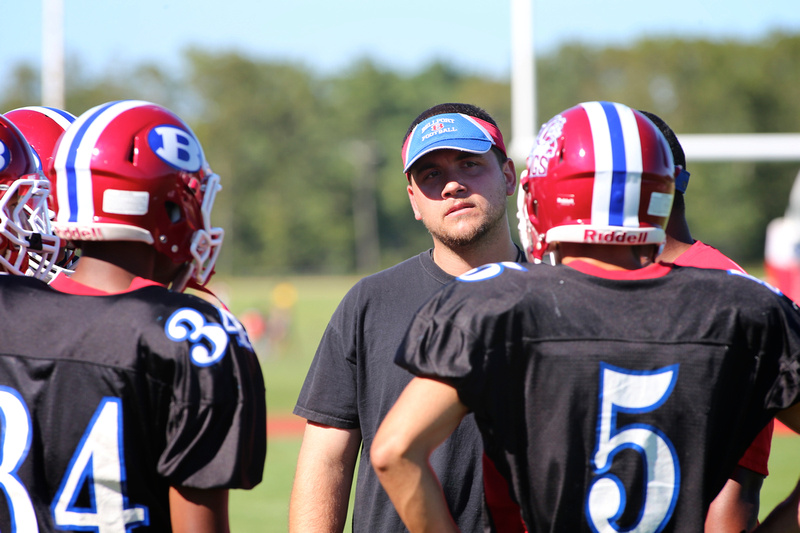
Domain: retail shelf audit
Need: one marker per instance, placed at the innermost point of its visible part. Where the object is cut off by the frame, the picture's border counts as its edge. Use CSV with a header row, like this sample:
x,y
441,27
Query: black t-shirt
x,y
590,391
353,382
107,401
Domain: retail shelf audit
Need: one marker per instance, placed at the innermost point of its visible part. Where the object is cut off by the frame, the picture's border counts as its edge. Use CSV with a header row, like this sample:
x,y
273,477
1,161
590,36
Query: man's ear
x,y
412,199
510,172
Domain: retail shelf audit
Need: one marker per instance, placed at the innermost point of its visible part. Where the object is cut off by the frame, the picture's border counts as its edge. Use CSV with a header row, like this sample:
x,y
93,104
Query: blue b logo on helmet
x,y
4,160
176,147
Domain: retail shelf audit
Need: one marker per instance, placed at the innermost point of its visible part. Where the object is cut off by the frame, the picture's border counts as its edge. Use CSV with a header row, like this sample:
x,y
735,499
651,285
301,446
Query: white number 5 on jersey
x,y
633,392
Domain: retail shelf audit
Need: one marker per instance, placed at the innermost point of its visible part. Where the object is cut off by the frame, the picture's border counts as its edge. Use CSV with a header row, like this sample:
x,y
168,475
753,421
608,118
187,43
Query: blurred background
x,y
302,106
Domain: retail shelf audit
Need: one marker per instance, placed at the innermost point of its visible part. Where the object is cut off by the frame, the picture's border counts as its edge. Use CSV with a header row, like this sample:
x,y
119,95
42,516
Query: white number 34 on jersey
x,y
97,464
208,340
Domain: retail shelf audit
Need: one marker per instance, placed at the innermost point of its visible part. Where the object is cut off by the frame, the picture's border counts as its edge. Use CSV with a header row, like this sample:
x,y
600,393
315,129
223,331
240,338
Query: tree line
x,y
310,163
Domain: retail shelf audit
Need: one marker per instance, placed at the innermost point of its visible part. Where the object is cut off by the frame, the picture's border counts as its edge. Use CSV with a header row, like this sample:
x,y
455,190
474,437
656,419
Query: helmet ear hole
x,y
132,154
173,212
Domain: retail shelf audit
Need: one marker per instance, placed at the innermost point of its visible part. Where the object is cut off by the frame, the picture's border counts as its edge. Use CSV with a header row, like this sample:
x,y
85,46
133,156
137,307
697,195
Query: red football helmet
x,y
599,172
42,127
24,216
134,171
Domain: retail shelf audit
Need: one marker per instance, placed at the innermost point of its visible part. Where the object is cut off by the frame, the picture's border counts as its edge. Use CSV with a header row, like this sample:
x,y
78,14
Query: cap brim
x,y
475,146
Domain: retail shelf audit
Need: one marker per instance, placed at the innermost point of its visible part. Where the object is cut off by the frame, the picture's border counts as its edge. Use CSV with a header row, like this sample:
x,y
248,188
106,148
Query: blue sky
x,y
327,35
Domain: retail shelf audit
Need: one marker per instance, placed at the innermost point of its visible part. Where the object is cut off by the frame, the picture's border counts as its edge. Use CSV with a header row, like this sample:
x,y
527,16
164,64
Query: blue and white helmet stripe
x,y
618,164
59,116
74,156
62,118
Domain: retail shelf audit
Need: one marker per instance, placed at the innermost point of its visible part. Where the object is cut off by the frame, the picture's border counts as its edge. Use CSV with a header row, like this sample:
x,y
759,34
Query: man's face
x,y
459,196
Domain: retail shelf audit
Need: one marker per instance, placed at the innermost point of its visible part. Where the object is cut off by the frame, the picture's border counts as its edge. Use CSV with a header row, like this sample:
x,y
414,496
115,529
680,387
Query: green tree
x,y
698,86
288,143
282,191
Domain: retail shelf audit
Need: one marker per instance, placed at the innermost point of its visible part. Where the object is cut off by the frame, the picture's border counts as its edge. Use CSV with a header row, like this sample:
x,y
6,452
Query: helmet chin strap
x,y
192,284
183,278
186,279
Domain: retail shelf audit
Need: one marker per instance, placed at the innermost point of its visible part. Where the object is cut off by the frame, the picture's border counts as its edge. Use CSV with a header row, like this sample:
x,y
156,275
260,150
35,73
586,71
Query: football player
x,y
27,243
614,396
735,509
137,407
42,127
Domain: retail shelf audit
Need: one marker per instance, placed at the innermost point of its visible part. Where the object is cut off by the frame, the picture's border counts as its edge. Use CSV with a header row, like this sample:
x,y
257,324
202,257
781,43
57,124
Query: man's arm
x,y
426,413
198,510
785,518
735,509
322,481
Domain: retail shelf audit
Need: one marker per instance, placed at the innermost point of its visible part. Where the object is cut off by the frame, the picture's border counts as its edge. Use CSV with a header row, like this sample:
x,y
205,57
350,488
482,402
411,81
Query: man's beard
x,y
473,236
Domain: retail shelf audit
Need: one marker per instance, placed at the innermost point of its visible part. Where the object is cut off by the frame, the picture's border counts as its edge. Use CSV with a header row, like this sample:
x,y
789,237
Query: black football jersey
x,y
107,401
611,404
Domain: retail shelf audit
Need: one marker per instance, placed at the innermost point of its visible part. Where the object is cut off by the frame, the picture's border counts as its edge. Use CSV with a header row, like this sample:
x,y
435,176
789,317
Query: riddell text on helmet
x,y
79,234
619,237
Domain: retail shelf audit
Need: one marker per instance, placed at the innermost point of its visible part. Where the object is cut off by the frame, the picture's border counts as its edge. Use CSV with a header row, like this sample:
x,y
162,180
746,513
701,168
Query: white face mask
x,y
25,224
206,242
524,226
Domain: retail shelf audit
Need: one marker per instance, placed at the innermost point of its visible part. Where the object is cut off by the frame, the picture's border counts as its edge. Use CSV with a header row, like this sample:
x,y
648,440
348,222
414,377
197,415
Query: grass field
x,y
285,362
265,508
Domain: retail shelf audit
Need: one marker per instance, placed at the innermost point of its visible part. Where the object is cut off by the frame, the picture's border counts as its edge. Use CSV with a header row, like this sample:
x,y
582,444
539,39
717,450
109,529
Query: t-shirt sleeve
x,y
329,393
216,428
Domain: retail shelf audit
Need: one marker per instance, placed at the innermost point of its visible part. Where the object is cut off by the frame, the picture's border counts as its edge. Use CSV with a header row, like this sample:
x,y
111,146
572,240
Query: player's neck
x,y
679,238
102,275
101,266
673,249
607,257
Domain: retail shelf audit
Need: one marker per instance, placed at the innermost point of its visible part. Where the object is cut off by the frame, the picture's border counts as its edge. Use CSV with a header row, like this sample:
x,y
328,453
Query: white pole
x,y
53,53
523,80
741,146
698,147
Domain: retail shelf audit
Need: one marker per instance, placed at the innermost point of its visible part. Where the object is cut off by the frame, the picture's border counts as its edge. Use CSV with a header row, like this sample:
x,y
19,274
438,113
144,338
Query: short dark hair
x,y
465,109
678,156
